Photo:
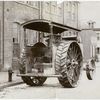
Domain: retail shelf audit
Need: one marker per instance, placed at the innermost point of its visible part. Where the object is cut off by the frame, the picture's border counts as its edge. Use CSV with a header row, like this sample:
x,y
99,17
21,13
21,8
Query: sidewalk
x,y
4,80
98,64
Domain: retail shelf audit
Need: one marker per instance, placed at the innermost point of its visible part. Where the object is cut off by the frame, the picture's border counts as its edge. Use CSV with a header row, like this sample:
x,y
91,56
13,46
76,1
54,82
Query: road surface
x,y
87,89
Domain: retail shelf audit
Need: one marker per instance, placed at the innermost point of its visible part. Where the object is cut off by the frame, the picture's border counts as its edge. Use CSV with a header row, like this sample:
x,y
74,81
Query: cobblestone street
x,y
41,41
87,89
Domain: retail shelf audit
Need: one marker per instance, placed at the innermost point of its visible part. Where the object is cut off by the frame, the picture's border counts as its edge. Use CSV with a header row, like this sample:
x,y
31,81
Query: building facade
x,y
13,13
88,39
97,32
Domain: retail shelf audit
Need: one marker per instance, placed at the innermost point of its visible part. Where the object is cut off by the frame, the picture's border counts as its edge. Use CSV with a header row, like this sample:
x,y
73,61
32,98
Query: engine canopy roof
x,y
44,26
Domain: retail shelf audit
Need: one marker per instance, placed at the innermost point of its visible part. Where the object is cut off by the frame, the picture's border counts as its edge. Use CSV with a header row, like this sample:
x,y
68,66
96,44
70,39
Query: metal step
x,y
44,65
39,75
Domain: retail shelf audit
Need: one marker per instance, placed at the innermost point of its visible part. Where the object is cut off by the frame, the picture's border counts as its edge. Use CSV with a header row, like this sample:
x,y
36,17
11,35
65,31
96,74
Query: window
x,y
98,50
15,40
69,6
26,2
73,16
66,6
22,1
47,7
98,36
31,3
53,9
54,3
59,11
73,8
35,4
69,15
73,11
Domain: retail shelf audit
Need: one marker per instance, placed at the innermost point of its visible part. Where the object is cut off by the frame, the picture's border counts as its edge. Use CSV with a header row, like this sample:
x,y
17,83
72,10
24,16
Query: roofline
x,y
94,29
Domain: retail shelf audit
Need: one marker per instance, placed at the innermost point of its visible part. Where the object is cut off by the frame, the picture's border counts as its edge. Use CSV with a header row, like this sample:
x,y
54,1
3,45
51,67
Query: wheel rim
x,y
93,71
35,80
74,61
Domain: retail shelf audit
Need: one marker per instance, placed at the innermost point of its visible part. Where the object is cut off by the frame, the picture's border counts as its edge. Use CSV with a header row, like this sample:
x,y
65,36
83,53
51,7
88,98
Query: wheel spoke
x,y
78,56
75,75
77,70
70,71
79,60
69,56
73,72
71,53
76,53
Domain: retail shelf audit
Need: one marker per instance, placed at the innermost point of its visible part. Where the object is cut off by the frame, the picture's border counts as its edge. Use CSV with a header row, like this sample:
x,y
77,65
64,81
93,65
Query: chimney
x,y
91,24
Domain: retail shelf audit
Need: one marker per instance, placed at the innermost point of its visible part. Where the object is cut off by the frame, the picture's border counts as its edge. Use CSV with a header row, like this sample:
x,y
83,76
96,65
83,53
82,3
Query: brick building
x,y
13,13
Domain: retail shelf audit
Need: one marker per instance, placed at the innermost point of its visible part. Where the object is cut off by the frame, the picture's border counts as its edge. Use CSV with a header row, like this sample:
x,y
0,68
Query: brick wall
x,y
14,12
21,11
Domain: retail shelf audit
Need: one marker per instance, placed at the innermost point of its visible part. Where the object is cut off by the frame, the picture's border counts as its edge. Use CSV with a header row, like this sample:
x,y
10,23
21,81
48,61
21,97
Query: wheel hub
x,y
72,64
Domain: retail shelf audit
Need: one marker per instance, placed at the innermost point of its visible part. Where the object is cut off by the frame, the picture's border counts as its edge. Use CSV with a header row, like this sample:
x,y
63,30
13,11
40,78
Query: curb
x,y
9,84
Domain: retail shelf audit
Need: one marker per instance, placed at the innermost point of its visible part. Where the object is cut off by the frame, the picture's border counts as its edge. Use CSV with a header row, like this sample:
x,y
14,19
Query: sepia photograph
x,y
49,49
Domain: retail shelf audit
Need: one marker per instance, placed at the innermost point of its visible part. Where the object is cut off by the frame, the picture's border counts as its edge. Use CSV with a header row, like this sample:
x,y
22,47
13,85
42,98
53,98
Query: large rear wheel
x,y
69,63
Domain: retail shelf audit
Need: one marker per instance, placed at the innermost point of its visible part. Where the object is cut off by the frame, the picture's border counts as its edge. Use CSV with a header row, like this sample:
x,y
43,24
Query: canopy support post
x,y
25,41
52,45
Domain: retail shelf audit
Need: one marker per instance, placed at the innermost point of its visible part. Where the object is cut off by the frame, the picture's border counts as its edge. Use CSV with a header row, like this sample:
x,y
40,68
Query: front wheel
x,y
90,69
31,81
34,81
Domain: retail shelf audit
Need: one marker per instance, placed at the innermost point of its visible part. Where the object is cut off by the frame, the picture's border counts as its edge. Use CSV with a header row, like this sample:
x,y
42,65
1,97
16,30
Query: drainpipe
x,y
39,18
63,13
40,35
3,6
50,11
77,14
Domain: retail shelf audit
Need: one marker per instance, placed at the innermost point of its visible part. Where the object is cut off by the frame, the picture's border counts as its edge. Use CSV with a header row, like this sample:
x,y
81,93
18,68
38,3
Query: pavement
x,y
15,79
98,64
4,80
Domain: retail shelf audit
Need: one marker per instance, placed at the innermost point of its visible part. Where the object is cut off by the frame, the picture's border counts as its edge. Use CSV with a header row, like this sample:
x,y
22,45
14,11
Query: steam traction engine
x,y
60,57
